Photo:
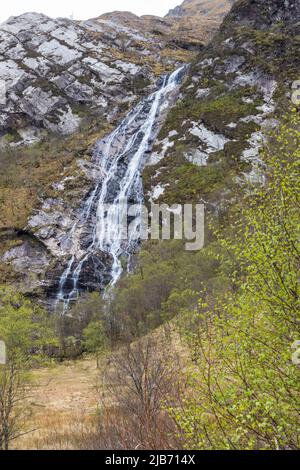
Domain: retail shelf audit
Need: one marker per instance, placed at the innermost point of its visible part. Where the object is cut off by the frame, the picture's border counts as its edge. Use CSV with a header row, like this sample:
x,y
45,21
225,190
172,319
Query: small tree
x,y
94,339
13,411
141,380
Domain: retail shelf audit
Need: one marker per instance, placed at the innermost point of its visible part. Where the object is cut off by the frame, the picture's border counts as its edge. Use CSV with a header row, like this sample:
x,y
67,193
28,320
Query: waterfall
x,y
119,159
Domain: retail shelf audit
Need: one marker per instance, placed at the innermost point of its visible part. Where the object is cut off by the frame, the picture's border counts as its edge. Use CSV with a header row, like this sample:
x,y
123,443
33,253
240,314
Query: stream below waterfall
x,y
95,245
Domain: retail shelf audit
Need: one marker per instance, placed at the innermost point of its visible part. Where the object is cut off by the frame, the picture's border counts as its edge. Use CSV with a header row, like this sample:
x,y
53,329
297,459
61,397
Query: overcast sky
x,y
84,9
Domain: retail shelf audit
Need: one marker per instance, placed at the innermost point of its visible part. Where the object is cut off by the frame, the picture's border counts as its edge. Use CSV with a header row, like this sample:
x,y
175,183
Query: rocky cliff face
x,y
56,72
234,93
198,19
263,15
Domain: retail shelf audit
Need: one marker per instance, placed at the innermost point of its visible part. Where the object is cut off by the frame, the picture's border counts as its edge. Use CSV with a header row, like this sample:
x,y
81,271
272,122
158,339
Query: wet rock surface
x,y
63,227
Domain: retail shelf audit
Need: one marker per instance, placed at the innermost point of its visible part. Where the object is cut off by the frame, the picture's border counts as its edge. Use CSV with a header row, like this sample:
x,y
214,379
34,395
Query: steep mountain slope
x,y
172,33
198,19
61,76
235,92
56,72
212,9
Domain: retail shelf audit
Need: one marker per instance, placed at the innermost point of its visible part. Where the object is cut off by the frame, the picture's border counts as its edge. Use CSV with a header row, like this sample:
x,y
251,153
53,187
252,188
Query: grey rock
x,y
50,67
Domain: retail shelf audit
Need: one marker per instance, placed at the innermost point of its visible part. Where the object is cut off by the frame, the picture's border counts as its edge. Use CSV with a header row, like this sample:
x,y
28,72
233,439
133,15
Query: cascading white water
x,y
119,159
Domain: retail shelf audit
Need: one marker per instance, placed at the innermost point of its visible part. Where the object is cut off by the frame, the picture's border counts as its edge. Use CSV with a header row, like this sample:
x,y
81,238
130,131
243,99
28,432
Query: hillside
x,y
210,9
235,92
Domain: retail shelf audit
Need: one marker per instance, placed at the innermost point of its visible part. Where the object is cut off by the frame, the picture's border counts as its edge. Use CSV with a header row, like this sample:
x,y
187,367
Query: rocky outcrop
x,y
177,11
263,15
54,73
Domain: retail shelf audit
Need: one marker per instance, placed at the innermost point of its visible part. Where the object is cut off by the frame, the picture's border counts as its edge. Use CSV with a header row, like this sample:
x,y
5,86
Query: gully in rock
x,y
119,159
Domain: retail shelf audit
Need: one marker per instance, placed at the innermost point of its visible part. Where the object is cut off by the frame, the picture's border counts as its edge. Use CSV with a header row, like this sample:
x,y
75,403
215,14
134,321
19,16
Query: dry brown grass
x,y
77,406
63,400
